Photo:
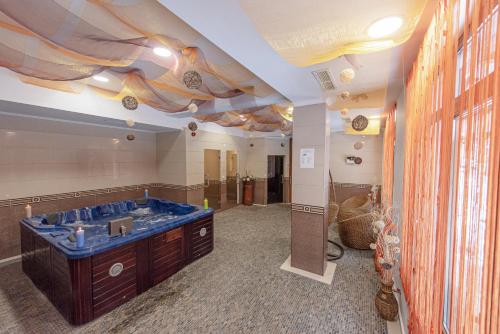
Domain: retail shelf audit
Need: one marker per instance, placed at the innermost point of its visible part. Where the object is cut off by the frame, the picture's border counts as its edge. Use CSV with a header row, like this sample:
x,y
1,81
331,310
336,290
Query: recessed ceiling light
x,y
100,78
385,26
162,52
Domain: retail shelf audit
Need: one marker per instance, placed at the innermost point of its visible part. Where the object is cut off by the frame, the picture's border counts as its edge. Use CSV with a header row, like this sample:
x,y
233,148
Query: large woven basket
x,y
333,212
354,206
357,231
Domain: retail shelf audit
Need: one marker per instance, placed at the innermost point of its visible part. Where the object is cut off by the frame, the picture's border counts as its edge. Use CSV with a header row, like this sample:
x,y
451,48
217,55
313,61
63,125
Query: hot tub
x,y
86,282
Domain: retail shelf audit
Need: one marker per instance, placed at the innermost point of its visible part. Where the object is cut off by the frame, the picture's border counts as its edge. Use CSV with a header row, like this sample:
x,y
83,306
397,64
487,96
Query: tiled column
x,y
311,130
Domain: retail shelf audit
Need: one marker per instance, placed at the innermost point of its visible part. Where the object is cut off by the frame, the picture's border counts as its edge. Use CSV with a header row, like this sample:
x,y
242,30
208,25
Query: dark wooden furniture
x,y
248,188
86,288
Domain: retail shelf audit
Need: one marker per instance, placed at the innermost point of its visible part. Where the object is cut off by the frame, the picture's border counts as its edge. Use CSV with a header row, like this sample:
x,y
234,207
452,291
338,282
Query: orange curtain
x,y
450,260
388,167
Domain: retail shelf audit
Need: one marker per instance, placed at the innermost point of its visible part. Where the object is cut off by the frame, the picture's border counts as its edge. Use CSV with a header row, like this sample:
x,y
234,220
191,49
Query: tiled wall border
x,y
352,185
54,197
319,210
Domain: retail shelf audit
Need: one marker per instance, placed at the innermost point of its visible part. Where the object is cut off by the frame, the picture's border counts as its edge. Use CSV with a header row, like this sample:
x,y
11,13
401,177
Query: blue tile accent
x,y
155,217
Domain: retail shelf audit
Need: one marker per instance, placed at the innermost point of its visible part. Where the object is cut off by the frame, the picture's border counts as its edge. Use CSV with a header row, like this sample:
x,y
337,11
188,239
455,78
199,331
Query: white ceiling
x,y
224,23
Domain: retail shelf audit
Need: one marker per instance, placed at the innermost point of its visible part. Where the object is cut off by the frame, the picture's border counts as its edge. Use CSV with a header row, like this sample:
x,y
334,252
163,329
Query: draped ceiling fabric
x,y
311,32
264,119
451,200
61,44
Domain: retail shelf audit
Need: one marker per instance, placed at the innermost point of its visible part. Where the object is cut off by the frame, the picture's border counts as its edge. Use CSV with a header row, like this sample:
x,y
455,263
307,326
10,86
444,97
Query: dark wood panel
x,y
41,265
167,254
143,281
199,245
124,296
112,254
83,289
110,291
62,290
81,280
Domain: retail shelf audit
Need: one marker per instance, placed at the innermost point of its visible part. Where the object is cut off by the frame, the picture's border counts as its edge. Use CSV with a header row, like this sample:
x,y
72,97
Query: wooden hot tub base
x,y
86,288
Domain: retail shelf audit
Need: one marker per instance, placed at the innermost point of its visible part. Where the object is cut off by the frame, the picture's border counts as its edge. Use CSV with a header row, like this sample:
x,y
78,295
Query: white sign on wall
x,y
307,158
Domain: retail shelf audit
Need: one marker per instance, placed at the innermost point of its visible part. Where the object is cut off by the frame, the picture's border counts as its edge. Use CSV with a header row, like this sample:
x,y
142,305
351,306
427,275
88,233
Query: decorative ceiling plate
x,y
192,126
130,102
192,79
130,137
359,123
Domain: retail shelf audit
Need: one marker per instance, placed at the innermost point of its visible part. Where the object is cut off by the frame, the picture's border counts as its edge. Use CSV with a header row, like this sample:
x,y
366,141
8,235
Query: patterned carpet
x,y
238,288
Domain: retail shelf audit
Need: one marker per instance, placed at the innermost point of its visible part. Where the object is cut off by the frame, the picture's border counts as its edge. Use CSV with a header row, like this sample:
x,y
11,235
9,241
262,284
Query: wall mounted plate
x,y
359,123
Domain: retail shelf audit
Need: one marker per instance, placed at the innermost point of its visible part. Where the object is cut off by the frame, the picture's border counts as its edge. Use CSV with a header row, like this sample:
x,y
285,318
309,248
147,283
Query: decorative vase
x,y
386,303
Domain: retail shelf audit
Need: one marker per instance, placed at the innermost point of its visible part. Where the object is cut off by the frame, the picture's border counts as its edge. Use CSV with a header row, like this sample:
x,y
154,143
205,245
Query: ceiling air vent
x,y
324,79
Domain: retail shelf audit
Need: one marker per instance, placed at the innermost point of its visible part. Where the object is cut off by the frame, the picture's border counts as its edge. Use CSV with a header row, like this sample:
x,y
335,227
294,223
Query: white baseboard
x,y
9,260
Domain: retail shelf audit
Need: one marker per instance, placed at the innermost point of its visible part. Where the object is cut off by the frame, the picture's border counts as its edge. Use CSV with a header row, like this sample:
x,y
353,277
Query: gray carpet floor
x,y
238,288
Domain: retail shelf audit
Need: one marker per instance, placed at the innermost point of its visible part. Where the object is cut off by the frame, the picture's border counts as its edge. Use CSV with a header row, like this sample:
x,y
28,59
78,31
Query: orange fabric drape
x,y
388,167
451,184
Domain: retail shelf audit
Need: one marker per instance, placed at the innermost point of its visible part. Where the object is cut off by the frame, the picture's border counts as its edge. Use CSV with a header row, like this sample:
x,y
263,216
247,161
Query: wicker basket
x,y
333,212
357,232
354,206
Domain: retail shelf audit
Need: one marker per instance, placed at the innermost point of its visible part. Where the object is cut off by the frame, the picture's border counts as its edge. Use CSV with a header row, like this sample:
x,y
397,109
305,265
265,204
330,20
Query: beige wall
x,y
369,171
214,141
41,157
171,157
263,147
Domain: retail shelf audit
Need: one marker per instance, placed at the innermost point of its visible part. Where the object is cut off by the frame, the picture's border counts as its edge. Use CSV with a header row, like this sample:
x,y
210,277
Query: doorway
x,y
275,167
232,178
212,184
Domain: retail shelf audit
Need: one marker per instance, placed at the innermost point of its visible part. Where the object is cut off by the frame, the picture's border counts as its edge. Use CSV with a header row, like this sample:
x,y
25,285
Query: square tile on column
x,y
326,278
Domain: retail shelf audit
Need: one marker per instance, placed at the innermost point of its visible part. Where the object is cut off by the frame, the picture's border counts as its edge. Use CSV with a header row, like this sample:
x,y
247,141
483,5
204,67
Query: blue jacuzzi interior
x,y
152,217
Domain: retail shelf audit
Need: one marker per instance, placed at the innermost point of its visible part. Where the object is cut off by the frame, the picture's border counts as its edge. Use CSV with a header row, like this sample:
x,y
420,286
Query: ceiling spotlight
x,y
162,52
289,110
346,75
192,107
100,78
385,26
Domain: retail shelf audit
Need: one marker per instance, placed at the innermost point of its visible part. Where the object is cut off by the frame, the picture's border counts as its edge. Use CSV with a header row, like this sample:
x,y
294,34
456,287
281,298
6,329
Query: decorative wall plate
x,y
358,145
192,79
359,123
192,126
130,102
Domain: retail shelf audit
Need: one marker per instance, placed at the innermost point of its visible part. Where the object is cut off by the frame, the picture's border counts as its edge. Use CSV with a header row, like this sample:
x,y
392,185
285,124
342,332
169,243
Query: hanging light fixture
x,y
130,122
347,74
192,107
